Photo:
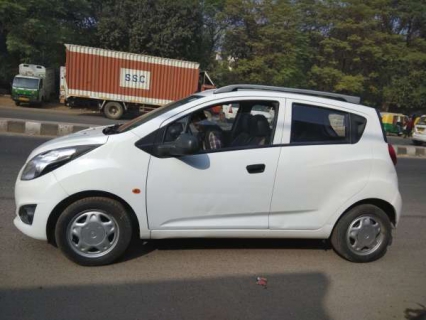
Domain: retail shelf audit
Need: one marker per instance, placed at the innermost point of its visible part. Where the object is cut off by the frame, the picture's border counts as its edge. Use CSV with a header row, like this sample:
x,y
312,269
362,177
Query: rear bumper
x,y
419,137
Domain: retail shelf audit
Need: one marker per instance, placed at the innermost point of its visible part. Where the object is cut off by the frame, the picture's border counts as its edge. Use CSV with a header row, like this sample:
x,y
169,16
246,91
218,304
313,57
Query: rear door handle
x,y
255,168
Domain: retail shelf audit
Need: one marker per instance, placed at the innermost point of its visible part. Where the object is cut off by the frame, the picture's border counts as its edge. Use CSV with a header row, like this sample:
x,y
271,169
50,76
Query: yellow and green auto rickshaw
x,y
393,122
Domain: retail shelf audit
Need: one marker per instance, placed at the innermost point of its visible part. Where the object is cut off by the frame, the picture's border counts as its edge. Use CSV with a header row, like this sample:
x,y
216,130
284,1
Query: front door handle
x,y
255,168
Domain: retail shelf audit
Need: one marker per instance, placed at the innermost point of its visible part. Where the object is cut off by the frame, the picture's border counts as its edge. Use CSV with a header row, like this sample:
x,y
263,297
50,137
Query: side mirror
x,y
185,144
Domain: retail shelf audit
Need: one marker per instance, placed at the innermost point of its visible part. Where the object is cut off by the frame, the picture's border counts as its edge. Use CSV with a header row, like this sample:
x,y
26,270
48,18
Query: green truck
x,y
33,85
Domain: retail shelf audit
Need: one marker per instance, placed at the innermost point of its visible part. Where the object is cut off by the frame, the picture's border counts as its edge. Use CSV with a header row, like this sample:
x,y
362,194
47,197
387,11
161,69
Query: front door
x,y
229,183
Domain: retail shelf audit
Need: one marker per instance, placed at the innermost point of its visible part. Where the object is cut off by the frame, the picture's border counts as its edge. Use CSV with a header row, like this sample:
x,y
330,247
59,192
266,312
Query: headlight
x,y
50,160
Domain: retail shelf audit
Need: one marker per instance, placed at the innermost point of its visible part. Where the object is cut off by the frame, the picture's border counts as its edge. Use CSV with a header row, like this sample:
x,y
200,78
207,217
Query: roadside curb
x,y
410,151
40,128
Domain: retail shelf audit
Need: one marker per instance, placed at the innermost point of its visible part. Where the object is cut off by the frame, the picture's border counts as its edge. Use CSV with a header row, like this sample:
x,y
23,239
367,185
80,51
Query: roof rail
x,y
337,96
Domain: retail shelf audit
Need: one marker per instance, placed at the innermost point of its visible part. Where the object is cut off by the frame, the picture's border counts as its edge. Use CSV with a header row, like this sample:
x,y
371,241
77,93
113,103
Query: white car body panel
x,y
211,190
109,175
85,137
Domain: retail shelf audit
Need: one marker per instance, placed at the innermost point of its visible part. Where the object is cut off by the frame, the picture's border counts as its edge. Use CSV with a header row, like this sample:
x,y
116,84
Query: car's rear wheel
x,y
94,231
17,103
362,234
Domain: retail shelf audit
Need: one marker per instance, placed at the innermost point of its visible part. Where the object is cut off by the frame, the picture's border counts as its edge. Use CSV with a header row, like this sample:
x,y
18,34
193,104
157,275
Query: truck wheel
x,y
94,231
113,110
17,103
362,234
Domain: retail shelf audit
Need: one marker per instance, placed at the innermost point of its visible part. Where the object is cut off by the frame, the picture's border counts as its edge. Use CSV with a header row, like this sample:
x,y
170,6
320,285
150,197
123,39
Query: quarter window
x,y
311,124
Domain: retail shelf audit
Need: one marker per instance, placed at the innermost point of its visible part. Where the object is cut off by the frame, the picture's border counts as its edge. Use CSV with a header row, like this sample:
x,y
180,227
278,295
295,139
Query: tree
x,y
264,43
34,31
160,28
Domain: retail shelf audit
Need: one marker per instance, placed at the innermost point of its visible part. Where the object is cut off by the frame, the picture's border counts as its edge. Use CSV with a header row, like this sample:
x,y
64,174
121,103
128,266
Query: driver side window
x,y
212,126
228,125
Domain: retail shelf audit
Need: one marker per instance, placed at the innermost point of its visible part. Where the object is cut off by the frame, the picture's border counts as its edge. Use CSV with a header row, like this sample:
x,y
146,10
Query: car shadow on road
x,y
139,248
287,296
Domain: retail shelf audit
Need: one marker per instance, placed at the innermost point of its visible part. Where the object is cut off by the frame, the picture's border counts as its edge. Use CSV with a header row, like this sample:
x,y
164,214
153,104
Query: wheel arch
x,y
60,207
382,204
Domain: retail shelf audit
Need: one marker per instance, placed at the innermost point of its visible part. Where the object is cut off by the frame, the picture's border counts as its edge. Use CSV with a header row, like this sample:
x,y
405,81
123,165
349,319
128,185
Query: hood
x,y
84,137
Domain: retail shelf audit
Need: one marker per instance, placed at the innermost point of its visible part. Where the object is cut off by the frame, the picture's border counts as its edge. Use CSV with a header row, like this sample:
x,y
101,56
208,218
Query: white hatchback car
x,y
419,132
321,168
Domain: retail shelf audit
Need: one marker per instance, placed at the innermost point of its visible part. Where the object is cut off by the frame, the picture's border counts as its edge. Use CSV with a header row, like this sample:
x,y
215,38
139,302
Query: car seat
x,y
260,132
242,131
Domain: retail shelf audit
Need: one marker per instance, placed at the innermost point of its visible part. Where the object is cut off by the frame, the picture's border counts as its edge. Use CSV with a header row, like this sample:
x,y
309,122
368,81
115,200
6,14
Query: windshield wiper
x,y
111,129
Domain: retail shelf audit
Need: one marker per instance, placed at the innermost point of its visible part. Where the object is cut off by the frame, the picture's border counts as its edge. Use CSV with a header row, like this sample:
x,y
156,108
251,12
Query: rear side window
x,y
317,125
357,127
381,125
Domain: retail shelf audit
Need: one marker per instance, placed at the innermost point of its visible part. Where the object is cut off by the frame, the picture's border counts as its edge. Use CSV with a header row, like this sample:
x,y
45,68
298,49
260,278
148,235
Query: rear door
x,y
322,164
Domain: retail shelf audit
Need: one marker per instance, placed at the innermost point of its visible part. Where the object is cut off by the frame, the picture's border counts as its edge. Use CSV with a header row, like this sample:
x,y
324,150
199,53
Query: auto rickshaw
x,y
393,122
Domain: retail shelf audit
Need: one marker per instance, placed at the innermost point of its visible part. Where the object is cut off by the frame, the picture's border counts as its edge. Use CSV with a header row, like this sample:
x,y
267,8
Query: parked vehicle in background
x,y
34,84
119,81
393,123
419,132
322,168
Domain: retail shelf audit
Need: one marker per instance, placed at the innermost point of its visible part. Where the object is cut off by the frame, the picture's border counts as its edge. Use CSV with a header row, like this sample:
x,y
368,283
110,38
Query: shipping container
x,y
118,81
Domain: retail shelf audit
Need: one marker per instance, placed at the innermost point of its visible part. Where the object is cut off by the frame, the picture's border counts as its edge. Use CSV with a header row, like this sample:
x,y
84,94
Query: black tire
x,y
113,110
17,103
86,209
342,242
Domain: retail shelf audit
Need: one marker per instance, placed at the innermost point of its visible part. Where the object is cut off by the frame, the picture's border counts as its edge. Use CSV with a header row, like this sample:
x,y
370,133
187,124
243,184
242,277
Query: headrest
x,y
245,122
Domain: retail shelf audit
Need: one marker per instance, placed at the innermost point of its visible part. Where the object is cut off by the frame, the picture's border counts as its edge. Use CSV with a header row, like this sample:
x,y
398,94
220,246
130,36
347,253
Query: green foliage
x,y
156,27
34,31
372,48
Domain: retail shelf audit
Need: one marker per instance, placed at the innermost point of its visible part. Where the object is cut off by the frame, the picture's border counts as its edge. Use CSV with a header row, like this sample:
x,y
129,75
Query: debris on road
x,y
262,282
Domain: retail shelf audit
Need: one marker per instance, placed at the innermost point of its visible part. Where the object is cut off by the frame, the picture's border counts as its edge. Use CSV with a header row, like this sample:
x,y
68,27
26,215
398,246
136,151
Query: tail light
x,y
392,154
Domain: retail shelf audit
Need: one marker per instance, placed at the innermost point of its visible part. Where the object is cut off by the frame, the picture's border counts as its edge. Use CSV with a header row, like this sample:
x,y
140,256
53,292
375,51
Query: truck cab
x,y
34,84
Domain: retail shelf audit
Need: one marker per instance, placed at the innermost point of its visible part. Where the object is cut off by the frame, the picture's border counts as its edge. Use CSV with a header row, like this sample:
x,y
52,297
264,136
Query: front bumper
x,y
22,98
46,193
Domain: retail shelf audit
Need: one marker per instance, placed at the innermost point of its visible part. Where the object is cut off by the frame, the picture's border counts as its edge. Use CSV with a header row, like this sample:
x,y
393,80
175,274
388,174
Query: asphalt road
x,y
213,279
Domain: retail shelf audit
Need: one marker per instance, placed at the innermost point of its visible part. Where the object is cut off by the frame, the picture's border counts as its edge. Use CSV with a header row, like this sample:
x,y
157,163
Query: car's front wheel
x,y
362,234
94,231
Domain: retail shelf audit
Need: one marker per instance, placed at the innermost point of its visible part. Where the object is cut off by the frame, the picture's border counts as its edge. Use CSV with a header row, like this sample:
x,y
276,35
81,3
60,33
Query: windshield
x,y
422,120
27,83
159,111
